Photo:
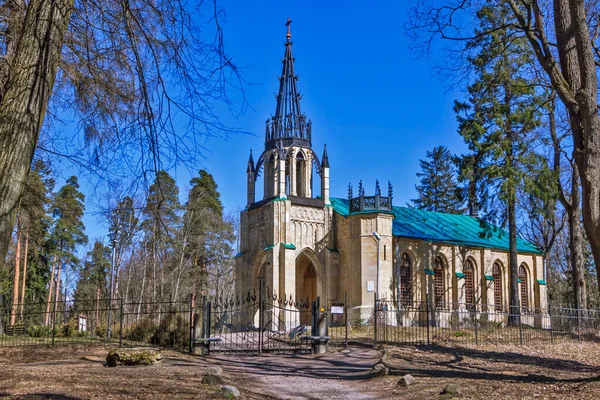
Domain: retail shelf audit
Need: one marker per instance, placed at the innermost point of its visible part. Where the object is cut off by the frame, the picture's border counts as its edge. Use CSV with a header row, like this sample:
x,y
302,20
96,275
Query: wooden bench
x,y
16,330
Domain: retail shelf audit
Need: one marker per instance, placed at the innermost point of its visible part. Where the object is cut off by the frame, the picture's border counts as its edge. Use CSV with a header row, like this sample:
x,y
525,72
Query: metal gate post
x,y
375,316
550,317
53,320
121,324
346,319
191,346
261,316
209,309
427,316
520,327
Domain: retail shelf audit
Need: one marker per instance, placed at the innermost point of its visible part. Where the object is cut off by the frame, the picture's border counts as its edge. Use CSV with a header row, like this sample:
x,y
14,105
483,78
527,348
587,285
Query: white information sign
x,y
337,309
370,286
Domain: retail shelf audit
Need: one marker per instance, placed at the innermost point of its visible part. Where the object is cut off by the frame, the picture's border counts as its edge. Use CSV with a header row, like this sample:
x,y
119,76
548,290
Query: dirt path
x,y
565,371
340,375
72,374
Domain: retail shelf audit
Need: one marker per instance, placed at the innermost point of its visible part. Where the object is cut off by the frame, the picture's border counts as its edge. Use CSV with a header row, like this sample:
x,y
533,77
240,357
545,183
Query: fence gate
x,y
257,323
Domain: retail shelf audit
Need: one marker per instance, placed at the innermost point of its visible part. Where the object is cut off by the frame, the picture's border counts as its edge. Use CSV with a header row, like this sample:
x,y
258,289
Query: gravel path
x,y
340,375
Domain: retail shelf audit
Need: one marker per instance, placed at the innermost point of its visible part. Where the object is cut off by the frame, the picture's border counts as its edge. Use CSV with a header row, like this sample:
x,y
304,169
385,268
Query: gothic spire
x,y
325,158
288,122
250,163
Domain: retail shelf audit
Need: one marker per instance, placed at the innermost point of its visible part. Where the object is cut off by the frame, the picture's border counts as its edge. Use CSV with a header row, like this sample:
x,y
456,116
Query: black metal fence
x,y
427,323
100,321
265,322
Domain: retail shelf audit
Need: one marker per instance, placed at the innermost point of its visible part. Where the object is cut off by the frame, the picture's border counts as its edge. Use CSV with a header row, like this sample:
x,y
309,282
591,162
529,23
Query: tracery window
x,y
438,283
497,274
405,280
469,271
524,287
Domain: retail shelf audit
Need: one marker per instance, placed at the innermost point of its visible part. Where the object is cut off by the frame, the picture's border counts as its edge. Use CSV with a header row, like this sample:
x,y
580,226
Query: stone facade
x,y
302,248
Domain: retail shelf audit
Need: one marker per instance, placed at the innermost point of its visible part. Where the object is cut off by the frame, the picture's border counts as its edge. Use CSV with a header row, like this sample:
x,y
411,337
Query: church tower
x,y
288,159
285,239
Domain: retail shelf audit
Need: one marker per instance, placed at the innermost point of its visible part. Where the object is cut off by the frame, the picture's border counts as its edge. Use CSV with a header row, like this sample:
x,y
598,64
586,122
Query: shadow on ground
x,y
533,369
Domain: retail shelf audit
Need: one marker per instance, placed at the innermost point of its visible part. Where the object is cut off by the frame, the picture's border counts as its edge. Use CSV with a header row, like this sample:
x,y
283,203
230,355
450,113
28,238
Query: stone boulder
x,y
133,356
214,370
406,380
230,391
450,389
212,380
380,370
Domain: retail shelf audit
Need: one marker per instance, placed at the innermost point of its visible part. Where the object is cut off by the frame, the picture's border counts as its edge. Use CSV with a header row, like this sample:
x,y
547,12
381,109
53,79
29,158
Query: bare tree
x,y
122,69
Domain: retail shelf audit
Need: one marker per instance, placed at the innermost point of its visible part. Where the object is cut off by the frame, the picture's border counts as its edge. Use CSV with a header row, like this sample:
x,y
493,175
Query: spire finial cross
x,y
288,23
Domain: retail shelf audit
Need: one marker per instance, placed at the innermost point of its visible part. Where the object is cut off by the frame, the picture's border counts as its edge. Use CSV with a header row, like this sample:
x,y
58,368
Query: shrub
x,y
39,331
69,328
101,331
142,331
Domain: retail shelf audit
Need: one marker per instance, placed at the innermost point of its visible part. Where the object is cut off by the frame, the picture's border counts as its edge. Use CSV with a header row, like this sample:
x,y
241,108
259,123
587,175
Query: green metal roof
x,y
445,228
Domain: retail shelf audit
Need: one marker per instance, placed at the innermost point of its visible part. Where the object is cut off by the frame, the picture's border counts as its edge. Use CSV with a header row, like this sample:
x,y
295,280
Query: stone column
x,y
293,173
308,175
325,184
280,180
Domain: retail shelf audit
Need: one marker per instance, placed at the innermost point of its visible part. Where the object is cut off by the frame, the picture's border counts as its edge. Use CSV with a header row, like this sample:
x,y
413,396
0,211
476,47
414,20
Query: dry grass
x,y
559,371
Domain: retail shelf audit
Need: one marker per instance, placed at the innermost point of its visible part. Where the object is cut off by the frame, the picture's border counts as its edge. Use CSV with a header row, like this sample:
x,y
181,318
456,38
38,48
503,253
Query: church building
x,y
303,244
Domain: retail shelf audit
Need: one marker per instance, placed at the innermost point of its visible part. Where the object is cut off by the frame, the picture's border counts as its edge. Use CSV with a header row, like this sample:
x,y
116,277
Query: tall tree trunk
x,y
50,289
25,256
573,210
577,258
24,94
145,270
513,260
97,324
15,302
579,94
57,286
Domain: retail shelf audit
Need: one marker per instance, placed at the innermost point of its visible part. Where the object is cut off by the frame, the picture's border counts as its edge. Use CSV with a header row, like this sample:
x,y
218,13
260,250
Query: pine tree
x,y
68,231
437,188
161,220
35,204
92,284
204,228
497,121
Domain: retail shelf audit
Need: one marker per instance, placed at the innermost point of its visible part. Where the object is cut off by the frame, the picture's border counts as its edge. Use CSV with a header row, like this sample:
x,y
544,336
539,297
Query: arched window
x,y
524,287
405,280
438,283
497,274
469,285
270,177
300,174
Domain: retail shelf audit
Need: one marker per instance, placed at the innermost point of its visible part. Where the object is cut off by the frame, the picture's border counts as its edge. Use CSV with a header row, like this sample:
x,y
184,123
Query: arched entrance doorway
x,y
306,283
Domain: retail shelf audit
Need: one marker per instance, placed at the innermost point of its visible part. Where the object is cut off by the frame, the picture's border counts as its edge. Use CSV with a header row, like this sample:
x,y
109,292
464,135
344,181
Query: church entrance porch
x,y
306,284
259,322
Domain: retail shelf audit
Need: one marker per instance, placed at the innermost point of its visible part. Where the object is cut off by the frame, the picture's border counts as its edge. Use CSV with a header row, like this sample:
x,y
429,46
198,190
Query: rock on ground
x,y
450,388
380,369
212,380
230,391
133,356
214,370
406,380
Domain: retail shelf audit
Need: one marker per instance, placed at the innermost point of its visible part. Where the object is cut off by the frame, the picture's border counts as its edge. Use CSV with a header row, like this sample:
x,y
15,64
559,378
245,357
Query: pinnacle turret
x,y
288,123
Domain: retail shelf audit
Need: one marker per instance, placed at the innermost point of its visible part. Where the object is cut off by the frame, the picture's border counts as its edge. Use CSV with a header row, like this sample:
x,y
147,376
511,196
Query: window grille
x,y
438,283
523,278
469,286
497,274
405,280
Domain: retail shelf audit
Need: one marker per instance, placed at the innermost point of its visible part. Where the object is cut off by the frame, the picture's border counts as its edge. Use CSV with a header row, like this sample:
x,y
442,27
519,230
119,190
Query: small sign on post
x,y
337,309
82,323
370,286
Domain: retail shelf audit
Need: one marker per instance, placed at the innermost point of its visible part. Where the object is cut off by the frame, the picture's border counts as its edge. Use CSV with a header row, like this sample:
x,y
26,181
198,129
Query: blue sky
x,y
377,107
